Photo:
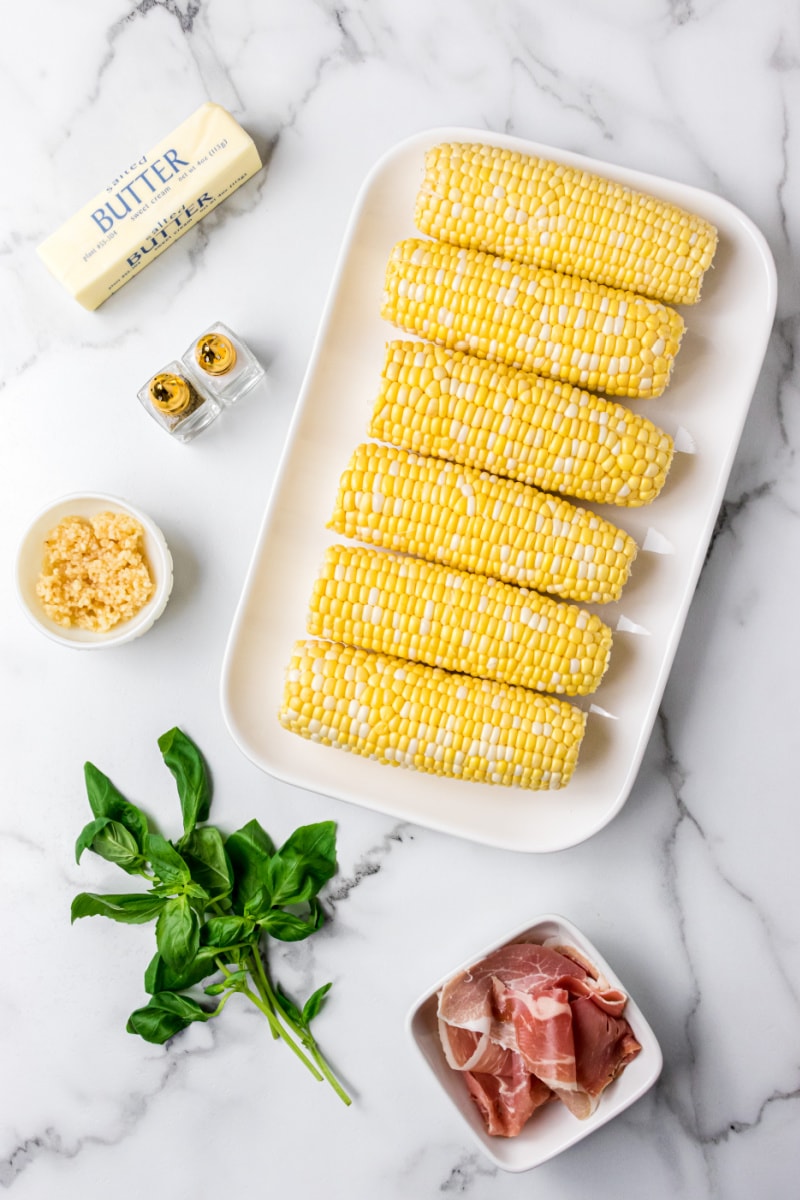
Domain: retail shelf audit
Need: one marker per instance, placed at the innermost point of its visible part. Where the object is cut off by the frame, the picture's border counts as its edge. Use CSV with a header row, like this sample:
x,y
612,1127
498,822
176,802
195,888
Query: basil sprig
x,y
215,901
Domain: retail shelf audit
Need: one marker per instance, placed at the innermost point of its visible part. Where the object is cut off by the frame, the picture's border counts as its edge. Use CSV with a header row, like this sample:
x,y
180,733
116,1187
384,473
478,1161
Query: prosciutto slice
x,y
604,1045
506,1102
469,1051
533,1022
542,1024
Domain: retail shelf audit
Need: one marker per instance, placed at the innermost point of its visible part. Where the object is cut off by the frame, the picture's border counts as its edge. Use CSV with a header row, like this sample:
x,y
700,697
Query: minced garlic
x,y
94,574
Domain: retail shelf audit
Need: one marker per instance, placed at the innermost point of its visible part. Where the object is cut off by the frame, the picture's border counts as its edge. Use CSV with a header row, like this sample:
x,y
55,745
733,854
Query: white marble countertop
x,y
690,892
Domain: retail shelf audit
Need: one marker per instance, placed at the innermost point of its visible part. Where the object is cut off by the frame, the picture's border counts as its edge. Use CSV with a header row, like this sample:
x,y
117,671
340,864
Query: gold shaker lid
x,y
170,394
215,354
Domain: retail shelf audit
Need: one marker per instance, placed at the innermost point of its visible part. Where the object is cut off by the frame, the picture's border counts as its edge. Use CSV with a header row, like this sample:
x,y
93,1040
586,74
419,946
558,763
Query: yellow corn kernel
x,y
407,714
548,214
560,326
461,622
471,520
486,415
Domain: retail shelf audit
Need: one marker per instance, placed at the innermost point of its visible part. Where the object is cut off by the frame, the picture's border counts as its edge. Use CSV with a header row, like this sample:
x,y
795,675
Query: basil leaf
x,y
106,801
116,844
287,927
259,905
249,851
189,769
166,861
227,931
130,909
308,860
316,914
204,853
164,1015
289,882
288,1005
235,981
160,977
315,1002
178,933
88,834
192,889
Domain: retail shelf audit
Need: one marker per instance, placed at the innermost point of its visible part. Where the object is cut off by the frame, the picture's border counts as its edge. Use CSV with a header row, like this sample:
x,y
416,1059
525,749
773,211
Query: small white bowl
x,y
553,1128
29,566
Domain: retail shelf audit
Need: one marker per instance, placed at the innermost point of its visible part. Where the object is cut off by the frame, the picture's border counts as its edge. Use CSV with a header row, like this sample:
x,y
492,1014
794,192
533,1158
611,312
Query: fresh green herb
x,y
215,902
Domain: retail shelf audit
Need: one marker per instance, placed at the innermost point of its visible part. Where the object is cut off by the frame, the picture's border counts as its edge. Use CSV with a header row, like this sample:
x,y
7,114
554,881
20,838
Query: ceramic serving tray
x,y
704,407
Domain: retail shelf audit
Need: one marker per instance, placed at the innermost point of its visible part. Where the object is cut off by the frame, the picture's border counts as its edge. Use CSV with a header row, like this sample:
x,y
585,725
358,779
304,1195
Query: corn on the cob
x,y
461,622
553,436
407,714
552,215
471,520
535,319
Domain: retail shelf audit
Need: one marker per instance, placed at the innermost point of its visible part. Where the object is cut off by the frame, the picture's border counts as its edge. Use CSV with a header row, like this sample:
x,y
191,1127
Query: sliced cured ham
x,y
466,1000
604,1045
506,1102
542,1024
531,1022
468,1051
611,1000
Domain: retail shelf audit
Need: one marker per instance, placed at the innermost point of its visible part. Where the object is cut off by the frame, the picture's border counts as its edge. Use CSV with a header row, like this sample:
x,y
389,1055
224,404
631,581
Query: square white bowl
x,y
30,559
553,1128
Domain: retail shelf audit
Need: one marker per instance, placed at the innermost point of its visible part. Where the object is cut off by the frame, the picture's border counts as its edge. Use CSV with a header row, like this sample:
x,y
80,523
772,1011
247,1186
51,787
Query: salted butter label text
x,y
141,188
179,220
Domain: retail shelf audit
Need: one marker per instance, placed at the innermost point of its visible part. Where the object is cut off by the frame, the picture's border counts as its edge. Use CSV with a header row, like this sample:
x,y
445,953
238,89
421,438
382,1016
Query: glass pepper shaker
x,y
228,367
177,404
187,395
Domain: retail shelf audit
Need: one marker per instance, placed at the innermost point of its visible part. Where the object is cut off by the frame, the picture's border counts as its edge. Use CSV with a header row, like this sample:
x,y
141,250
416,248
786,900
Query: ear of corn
x,y
406,714
461,622
551,215
473,521
534,319
553,436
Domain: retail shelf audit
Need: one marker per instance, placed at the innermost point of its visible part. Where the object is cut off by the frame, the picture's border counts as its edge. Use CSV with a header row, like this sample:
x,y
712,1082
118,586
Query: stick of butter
x,y
150,204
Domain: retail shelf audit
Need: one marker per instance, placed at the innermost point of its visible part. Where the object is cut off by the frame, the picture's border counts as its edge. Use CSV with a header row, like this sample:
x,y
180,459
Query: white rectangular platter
x,y
709,395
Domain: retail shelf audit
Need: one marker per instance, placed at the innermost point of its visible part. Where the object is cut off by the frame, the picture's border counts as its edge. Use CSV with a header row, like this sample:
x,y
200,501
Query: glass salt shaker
x,y
227,366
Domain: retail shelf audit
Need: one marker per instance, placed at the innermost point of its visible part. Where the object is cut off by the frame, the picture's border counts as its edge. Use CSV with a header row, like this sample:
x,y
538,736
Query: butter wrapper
x,y
150,204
